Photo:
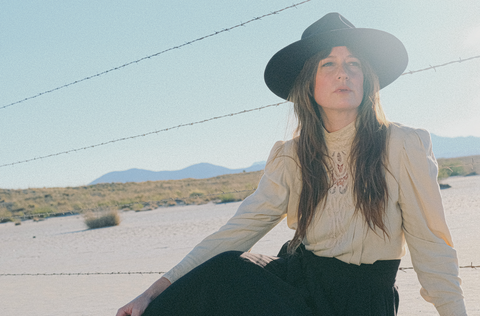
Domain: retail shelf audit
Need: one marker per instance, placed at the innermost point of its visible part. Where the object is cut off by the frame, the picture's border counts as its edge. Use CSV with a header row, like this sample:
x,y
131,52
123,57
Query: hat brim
x,y
385,53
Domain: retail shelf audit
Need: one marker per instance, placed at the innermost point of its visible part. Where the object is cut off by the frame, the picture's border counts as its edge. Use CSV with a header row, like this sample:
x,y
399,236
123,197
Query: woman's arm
x,y
139,304
425,227
255,217
257,214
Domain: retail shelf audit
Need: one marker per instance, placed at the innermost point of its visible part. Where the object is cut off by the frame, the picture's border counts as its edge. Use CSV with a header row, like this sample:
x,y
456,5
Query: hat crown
x,y
329,22
384,52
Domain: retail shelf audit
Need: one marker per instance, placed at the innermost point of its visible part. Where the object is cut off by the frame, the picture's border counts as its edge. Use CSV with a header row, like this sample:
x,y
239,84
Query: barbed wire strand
x,y
460,60
174,127
122,205
142,135
471,266
155,55
77,273
198,122
403,269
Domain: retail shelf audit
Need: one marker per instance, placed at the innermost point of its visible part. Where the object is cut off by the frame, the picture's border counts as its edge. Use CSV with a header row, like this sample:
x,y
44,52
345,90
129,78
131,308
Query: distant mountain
x,y
443,147
450,147
198,171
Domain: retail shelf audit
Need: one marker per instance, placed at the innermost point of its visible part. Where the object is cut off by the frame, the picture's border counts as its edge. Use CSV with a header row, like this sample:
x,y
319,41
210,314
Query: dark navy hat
x,y
385,53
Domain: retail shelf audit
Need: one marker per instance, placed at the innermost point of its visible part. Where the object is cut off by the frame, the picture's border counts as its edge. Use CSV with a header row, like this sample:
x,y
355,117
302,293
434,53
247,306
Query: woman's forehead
x,y
340,51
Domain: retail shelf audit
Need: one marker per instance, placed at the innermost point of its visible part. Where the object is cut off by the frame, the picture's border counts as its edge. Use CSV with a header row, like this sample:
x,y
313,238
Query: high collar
x,y
341,138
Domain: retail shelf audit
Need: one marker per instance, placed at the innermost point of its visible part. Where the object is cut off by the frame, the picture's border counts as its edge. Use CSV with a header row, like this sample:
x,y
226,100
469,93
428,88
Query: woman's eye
x,y
327,64
354,64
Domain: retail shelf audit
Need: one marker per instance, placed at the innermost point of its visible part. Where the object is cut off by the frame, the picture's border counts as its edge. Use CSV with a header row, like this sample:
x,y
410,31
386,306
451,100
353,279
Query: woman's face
x,y
339,82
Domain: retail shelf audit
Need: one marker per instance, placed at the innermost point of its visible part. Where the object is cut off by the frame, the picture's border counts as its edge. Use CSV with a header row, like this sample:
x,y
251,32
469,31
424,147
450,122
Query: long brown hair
x,y
367,156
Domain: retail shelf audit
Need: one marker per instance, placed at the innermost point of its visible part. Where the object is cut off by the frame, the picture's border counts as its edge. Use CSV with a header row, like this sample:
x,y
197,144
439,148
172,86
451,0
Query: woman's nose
x,y
342,72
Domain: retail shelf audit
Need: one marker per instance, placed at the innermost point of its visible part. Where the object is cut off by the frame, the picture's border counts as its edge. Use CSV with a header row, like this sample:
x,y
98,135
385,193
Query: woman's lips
x,y
343,89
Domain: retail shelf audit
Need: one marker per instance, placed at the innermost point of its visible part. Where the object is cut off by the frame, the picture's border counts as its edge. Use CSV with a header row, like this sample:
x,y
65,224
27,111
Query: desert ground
x,y
154,241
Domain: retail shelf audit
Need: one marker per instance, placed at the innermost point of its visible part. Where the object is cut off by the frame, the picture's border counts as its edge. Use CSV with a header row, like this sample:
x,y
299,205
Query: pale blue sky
x,y
45,44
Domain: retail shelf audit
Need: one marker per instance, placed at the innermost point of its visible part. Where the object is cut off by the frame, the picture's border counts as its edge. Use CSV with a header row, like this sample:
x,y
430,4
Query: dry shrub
x,y
102,219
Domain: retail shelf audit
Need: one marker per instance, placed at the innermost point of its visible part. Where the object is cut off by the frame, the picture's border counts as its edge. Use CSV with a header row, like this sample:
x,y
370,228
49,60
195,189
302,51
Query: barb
x,y
153,55
141,135
470,266
411,72
403,269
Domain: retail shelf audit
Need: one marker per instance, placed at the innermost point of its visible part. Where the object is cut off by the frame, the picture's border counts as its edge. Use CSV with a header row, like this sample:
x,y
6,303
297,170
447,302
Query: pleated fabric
x,y
238,283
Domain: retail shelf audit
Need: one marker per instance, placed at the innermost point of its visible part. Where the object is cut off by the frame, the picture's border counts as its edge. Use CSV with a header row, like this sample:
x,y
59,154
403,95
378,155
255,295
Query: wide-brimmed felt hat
x,y
385,53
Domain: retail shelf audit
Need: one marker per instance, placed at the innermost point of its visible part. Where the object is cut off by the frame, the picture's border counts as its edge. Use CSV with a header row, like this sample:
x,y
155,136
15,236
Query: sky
x,y
47,44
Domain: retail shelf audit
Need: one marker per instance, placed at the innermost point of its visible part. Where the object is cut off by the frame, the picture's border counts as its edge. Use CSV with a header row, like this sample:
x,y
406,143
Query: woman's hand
x,y
135,307
140,304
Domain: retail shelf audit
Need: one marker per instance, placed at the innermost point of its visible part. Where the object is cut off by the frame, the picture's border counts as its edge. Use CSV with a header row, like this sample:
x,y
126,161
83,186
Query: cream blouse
x,y
414,215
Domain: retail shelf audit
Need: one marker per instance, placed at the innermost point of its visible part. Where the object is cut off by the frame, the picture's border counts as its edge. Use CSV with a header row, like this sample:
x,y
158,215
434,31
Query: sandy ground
x,y
156,240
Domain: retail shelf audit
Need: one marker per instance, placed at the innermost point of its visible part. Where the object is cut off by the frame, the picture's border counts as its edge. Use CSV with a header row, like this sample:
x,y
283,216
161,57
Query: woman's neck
x,y
335,121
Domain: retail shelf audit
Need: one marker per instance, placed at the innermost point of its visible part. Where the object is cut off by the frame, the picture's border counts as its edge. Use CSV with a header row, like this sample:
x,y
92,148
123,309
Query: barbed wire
x,y
176,127
142,135
403,269
198,122
78,273
122,205
471,266
155,55
460,60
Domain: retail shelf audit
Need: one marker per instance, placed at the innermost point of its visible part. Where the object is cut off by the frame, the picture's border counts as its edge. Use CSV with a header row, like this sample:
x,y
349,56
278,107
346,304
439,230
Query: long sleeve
x,y
425,228
255,217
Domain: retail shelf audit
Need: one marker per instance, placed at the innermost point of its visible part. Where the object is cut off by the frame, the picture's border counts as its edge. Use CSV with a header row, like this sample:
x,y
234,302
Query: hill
x,y
198,171
450,147
443,147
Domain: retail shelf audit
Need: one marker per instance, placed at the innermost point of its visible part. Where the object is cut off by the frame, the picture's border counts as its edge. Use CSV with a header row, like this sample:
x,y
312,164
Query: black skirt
x,y
237,283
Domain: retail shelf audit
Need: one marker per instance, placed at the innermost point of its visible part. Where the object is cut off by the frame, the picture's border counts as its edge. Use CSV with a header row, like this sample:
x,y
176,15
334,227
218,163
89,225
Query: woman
x,y
355,188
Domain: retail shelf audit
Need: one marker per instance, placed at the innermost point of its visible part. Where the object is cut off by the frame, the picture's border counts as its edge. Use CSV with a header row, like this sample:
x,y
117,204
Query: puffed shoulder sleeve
x,y
426,232
256,216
